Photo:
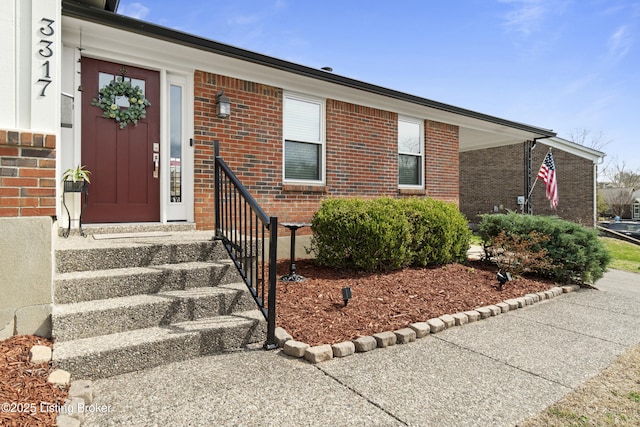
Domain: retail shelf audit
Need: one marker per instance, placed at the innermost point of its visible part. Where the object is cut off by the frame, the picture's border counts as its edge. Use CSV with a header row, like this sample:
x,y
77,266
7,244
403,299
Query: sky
x,y
572,66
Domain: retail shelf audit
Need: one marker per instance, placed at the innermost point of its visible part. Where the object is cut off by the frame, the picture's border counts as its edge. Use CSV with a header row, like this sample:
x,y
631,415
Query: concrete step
x,y
138,250
99,229
102,317
108,355
81,286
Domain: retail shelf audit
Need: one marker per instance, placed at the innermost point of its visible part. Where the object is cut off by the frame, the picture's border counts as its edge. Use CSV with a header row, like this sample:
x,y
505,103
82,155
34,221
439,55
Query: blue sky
x,y
566,65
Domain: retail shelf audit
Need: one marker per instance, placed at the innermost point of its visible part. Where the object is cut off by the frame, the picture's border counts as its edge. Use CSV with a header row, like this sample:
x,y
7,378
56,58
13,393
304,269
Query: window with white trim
x,y
410,153
303,122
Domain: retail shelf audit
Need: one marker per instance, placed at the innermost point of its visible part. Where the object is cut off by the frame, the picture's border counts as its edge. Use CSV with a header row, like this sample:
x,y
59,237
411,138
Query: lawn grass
x,y
624,255
611,398
476,239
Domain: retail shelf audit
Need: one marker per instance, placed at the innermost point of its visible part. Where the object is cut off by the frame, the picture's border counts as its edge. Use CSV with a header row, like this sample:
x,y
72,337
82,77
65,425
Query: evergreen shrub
x,y
575,252
388,234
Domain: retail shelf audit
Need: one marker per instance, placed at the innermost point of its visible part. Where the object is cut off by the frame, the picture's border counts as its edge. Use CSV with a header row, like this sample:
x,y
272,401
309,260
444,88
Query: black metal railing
x,y
244,228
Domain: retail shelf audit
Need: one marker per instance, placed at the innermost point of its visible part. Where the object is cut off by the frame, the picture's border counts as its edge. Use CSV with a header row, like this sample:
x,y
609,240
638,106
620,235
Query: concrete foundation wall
x,y
25,276
302,244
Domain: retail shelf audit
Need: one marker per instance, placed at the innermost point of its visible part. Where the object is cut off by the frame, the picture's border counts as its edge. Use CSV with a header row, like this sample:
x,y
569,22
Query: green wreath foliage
x,y
107,102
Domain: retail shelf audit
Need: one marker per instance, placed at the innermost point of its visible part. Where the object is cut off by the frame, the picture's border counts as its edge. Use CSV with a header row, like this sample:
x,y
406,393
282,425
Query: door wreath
x,y
107,102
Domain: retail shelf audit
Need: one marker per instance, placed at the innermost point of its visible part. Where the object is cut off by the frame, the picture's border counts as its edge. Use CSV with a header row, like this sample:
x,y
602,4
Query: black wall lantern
x,y
223,106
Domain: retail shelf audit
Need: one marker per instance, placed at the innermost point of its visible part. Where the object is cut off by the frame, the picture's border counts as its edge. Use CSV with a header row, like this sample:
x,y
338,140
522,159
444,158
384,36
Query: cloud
x,y
526,15
134,10
578,85
619,43
243,20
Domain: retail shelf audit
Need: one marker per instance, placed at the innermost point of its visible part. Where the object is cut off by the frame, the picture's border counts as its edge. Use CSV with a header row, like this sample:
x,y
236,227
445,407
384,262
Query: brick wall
x,y
250,140
442,161
496,176
27,174
361,151
575,186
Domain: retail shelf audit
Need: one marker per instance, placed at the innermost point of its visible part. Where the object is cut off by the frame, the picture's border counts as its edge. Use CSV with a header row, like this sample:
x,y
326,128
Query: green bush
x,y
439,232
388,234
575,252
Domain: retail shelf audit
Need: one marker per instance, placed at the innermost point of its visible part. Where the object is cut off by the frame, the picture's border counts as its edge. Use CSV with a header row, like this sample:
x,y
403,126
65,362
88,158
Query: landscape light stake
x,y
503,278
346,295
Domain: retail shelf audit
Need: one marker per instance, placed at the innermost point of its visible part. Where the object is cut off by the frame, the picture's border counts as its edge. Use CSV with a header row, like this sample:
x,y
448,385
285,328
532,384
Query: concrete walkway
x,y
494,372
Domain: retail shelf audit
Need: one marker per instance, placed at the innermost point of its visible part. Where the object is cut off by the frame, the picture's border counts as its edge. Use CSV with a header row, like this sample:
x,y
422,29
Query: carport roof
x,y
477,130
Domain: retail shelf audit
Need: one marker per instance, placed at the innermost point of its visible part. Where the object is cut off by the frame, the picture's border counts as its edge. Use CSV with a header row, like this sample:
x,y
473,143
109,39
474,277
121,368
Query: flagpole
x,y
534,182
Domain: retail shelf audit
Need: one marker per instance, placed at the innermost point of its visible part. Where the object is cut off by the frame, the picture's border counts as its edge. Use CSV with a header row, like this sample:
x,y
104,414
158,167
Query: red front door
x,y
124,185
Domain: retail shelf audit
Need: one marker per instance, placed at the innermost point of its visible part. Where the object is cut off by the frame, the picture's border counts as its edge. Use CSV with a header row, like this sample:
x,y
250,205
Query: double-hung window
x,y
303,122
410,153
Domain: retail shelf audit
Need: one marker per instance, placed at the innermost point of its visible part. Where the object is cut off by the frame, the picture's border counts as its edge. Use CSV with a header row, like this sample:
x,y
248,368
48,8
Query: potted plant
x,y
76,179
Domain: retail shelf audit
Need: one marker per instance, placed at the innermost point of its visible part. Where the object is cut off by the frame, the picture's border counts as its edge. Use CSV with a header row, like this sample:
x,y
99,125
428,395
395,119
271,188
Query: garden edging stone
x,y
321,353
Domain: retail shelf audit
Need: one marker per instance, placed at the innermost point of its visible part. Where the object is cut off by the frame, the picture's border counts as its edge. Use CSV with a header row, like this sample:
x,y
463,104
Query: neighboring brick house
x,y
492,179
295,136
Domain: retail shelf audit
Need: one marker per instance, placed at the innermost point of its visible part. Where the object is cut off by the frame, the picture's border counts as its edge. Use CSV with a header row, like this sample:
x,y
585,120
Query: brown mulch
x,y
313,311
26,399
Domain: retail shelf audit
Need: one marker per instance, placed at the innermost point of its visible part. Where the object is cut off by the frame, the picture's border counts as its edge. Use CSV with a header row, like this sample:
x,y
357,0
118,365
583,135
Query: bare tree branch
x,y
584,137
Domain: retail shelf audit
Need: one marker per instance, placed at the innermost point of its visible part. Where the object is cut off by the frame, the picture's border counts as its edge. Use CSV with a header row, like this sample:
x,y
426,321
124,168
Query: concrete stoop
x,y
140,300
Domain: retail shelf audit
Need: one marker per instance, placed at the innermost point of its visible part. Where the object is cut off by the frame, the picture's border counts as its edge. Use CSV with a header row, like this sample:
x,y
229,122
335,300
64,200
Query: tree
x,y
584,137
602,205
620,176
617,199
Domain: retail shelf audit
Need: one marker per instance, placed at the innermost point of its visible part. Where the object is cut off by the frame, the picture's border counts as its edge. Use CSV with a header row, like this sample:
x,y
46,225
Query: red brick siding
x,y
496,176
361,151
27,174
250,140
442,155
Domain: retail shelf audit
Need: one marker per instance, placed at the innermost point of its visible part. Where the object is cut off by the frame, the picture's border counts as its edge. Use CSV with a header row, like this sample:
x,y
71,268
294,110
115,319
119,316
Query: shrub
x,y
519,254
575,252
388,234
439,232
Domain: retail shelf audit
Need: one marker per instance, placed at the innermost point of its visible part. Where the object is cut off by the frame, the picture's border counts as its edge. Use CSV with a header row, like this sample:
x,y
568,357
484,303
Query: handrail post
x,y
271,344
216,187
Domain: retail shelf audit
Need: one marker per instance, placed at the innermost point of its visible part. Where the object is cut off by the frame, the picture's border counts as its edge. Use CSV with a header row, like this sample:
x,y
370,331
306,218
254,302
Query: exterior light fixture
x,y
223,106
346,295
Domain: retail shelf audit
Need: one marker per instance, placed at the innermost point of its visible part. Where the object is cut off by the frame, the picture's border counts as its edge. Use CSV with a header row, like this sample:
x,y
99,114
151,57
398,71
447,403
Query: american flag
x,y
547,173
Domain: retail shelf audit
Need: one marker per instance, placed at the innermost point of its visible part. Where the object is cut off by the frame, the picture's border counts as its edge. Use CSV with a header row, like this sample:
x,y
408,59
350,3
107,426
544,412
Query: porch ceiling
x,y
476,139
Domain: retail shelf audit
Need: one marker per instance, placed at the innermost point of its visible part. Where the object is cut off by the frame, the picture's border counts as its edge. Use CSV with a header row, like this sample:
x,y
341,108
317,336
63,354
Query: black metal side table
x,y
293,227
75,187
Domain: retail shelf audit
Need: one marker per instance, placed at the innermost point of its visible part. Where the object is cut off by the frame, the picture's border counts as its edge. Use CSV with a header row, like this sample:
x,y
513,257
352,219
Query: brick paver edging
x,y
320,353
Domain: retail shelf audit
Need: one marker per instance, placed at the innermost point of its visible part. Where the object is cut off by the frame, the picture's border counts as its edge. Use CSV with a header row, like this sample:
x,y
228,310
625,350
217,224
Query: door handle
x,y
156,164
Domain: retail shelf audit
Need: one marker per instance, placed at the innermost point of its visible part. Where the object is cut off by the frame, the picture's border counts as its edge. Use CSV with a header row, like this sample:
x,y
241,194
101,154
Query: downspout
x,y
528,153
595,190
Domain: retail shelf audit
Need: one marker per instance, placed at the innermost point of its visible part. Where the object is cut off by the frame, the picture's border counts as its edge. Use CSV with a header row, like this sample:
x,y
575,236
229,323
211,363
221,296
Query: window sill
x,y
303,188
412,191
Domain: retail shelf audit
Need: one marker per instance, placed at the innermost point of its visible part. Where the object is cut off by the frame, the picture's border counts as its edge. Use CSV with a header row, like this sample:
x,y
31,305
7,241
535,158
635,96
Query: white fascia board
x,y
575,149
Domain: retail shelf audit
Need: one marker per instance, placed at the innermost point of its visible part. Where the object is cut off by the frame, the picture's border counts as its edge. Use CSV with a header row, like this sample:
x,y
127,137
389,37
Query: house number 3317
x,y
46,31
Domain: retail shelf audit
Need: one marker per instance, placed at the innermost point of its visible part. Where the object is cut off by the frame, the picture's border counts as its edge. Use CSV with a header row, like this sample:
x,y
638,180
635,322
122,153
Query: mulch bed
x,y
313,311
24,391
